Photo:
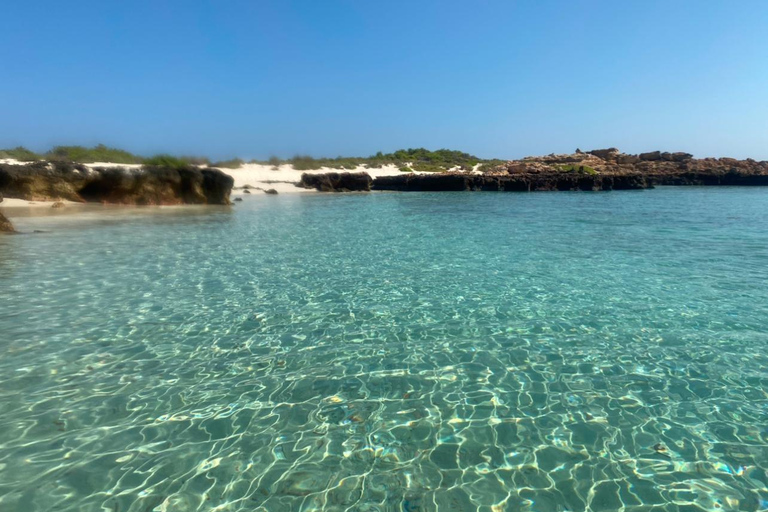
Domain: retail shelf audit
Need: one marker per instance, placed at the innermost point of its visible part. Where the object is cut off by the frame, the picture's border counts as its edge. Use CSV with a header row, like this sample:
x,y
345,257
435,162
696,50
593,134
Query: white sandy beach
x,y
256,177
283,178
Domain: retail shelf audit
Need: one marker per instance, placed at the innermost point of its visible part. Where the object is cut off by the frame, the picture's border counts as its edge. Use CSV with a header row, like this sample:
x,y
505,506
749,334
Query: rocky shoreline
x,y
43,181
46,181
606,169
598,170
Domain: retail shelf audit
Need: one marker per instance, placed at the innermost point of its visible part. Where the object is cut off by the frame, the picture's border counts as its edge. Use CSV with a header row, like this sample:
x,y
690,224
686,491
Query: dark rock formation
x,y
650,157
676,157
41,181
729,178
5,225
271,191
508,183
605,154
217,186
337,181
438,182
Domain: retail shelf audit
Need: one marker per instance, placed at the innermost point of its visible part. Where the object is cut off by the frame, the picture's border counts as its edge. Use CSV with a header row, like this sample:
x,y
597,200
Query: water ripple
x,y
407,352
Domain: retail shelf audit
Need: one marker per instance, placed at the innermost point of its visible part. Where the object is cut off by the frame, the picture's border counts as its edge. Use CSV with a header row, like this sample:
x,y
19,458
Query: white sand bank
x,y
12,202
284,177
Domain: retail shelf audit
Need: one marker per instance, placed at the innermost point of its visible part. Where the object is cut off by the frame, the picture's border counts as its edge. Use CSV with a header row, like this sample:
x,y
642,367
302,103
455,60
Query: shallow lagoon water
x,y
376,352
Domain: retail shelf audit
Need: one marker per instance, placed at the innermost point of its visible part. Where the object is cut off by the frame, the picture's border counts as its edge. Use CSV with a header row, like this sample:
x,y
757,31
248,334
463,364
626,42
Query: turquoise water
x,y
409,352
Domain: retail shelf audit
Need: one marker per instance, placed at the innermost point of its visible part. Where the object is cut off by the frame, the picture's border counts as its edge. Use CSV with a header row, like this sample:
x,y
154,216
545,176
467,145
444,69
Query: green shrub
x,y
428,167
168,161
304,163
490,165
419,158
234,163
20,153
100,153
584,169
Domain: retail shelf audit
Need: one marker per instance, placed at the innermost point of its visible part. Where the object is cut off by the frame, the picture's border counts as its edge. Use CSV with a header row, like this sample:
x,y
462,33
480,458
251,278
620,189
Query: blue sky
x,y
329,77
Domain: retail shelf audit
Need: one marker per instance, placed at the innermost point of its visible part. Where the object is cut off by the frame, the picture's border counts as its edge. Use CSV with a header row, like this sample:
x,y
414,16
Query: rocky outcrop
x,y
217,186
5,225
40,181
662,168
147,186
601,169
605,154
337,181
438,182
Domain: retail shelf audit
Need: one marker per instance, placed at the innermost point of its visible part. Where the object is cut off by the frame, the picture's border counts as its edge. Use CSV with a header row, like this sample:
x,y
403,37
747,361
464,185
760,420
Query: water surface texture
x,y
376,352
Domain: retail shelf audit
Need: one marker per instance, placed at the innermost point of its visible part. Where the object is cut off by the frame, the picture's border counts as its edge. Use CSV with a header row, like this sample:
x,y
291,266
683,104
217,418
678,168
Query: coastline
x,y
286,180
52,188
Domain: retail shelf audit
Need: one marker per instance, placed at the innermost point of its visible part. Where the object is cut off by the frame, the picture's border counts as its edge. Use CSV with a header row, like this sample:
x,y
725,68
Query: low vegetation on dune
x,y
407,160
84,155
229,164
105,154
74,154
19,153
168,161
490,165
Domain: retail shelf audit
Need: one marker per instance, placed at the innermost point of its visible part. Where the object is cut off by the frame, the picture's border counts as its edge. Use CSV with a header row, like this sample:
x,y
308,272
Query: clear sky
x,y
501,78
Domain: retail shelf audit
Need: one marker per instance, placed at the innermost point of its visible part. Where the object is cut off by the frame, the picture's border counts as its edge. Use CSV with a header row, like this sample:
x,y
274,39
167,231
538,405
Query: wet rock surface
x,y
337,181
508,183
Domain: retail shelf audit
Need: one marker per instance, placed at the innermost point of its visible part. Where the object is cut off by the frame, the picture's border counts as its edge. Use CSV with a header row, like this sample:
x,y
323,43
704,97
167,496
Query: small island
x,y
604,169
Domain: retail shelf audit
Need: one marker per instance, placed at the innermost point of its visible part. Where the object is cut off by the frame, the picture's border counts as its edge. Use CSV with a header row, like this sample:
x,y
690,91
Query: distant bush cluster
x,y
20,153
168,161
407,160
229,164
83,155
102,153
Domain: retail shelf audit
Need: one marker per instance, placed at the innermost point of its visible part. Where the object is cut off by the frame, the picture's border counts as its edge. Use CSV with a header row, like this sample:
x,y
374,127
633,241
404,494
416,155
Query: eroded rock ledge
x,y
42,181
337,181
508,183
603,169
